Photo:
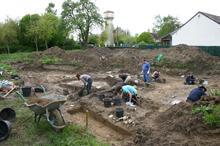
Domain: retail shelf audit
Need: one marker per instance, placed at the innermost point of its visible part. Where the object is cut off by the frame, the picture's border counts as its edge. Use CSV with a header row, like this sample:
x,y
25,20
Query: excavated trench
x,y
101,127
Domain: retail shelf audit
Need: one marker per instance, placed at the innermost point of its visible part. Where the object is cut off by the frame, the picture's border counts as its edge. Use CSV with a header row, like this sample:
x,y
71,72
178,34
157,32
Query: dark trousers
x,y
89,86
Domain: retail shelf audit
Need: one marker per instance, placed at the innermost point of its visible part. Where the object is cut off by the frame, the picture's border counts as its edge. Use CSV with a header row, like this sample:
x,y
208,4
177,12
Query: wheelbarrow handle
x,y
21,96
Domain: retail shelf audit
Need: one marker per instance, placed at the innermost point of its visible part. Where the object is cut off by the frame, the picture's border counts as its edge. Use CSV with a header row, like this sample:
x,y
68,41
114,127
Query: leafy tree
x,y
123,37
29,30
145,37
81,16
50,9
94,39
103,38
9,33
47,27
165,25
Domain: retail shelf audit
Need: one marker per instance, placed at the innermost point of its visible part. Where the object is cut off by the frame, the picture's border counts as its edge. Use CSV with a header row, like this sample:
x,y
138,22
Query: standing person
x,y
146,71
196,94
87,81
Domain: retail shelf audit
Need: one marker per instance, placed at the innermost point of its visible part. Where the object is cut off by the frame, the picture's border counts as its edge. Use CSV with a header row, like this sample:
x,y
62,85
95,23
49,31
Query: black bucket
x,y
5,128
26,91
117,101
8,114
119,112
107,102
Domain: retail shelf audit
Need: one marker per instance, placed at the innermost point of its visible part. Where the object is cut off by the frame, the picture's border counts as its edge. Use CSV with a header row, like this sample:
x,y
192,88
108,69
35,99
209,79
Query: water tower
x,y
109,16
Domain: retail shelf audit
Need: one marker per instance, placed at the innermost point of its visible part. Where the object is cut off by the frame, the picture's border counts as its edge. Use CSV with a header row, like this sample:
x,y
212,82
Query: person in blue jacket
x,y
196,94
146,71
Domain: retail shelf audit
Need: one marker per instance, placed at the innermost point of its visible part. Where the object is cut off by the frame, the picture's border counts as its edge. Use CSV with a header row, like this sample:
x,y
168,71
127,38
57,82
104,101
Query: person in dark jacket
x,y
196,94
190,80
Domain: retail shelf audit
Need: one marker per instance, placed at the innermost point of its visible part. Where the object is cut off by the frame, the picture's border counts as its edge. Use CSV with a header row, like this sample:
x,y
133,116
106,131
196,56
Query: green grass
x,y
14,57
211,114
50,60
26,133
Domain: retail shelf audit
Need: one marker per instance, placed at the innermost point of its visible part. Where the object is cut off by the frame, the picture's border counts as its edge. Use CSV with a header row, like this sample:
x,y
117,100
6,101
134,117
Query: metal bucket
x,y
8,114
5,129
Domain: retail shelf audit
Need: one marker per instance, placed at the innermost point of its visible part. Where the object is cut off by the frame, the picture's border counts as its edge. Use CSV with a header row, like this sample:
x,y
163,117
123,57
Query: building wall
x,y
200,31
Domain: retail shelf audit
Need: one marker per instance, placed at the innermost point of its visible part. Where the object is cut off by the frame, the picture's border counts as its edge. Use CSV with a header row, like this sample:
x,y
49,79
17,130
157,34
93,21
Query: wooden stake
x,y
87,118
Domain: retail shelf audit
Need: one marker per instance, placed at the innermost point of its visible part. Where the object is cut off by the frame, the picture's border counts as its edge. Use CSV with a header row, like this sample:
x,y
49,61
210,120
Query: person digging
x,y
87,81
196,94
129,94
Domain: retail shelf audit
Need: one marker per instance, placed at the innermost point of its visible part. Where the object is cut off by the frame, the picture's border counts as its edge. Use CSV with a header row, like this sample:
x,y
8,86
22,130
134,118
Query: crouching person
x,y
190,80
196,94
129,94
87,81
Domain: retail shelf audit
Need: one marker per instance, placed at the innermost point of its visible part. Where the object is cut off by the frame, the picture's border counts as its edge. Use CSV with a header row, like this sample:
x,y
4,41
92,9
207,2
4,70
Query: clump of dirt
x,y
40,101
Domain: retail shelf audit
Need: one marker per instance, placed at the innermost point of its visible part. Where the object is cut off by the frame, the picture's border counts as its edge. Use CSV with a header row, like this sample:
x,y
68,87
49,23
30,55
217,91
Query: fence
x,y
213,50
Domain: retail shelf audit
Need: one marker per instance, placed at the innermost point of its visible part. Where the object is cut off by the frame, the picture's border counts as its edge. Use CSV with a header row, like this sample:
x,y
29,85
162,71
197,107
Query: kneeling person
x,y
196,94
129,94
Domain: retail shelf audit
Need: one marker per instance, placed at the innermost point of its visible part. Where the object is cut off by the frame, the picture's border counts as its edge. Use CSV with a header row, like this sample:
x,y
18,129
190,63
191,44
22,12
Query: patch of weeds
x,y
50,60
214,92
211,114
73,136
7,69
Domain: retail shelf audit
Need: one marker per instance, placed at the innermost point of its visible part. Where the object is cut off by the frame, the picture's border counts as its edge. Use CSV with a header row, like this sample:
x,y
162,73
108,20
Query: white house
x,y
202,29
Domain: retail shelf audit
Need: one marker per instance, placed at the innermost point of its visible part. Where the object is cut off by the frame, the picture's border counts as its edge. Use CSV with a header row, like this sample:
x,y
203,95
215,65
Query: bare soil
x,y
157,121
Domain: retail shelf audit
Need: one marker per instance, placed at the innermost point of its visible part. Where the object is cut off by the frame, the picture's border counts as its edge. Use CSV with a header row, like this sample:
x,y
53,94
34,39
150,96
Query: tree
x,y
145,37
50,9
9,32
80,17
29,30
123,37
165,25
47,27
94,39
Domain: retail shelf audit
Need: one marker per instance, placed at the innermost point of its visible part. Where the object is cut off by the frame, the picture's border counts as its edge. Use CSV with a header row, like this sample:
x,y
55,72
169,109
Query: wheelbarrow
x,y
51,110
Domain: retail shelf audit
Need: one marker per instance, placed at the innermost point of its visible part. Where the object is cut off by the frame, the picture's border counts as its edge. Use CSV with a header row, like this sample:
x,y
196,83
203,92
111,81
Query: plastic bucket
x,y
107,102
119,112
5,128
117,101
26,91
8,114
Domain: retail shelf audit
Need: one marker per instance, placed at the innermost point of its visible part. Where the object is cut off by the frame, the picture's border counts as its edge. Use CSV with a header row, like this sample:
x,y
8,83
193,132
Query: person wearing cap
x,y
87,81
196,94
128,93
146,71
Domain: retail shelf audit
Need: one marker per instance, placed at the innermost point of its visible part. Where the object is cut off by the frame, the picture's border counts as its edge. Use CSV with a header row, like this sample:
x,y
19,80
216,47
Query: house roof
x,y
214,18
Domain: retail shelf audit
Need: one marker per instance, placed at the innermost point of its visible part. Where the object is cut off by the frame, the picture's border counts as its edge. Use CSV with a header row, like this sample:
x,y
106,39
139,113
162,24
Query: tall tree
x,y
80,16
145,37
165,25
50,9
47,27
29,30
9,32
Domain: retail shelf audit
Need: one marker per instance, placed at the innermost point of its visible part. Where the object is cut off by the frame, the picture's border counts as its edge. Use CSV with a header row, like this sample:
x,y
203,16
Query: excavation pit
x,y
101,127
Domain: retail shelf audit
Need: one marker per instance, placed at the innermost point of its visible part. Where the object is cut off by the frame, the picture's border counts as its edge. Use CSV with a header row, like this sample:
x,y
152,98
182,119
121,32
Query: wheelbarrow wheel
x,y
56,119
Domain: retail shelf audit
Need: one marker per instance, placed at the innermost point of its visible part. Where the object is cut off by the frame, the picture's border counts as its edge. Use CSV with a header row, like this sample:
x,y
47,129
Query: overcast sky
x,y
135,15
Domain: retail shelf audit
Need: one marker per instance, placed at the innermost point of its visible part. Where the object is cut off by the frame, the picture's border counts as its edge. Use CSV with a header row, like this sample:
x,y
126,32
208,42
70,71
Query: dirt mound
x,y
54,51
40,101
179,118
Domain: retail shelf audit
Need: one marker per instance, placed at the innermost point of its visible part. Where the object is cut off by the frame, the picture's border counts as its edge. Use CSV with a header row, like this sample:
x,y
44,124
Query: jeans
x,y
146,77
89,86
